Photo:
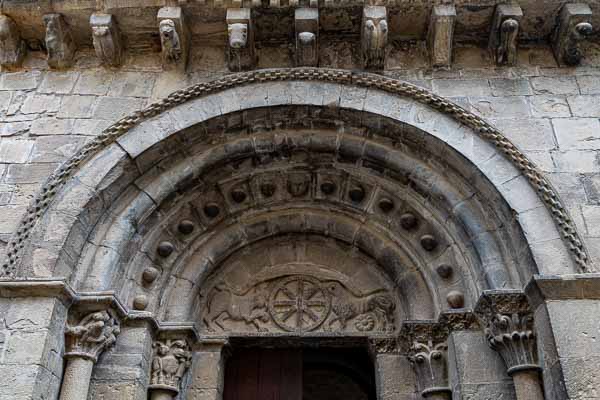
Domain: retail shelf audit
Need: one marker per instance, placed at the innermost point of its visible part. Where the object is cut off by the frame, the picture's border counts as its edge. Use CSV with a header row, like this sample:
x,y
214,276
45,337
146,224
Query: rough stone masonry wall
x,y
551,113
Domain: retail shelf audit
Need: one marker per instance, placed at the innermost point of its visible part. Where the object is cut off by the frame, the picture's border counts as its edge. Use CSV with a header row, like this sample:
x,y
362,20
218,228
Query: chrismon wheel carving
x,y
299,304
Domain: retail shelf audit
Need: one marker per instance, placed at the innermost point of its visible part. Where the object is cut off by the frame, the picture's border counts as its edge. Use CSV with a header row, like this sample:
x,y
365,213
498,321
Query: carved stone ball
x,y
186,227
238,195
328,187
386,205
140,302
356,193
211,210
268,189
149,275
455,299
408,221
429,242
165,249
445,271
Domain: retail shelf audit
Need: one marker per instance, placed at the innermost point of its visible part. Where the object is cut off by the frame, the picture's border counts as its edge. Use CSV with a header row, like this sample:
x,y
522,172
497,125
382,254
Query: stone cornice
x,y
562,287
94,301
411,17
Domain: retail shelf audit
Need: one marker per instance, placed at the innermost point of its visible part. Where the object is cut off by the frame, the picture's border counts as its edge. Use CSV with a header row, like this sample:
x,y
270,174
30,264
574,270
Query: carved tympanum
x,y
94,333
171,359
512,336
298,303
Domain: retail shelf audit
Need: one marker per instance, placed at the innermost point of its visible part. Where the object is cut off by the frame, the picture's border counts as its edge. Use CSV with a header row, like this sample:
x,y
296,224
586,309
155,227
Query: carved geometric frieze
x,y
298,304
107,39
174,37
170,361
574,25
441,35
374,34
504,33
240,32
12,47
59,42
307,37
92,335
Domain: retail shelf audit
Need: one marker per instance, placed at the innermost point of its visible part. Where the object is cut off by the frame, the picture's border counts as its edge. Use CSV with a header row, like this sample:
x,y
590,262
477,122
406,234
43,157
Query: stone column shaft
x,y
85,341
509,330
527,385
76,381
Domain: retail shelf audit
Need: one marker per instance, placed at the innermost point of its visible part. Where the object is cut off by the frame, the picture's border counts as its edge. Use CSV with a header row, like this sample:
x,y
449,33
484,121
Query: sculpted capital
x,y
512,336
170,361
92,335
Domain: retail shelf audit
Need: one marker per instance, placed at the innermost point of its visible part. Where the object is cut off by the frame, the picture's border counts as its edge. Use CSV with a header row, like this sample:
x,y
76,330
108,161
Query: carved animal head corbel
x,y
307,36
504,34
12,47
374,36
238,35
174,37
241,53
59,41
574,26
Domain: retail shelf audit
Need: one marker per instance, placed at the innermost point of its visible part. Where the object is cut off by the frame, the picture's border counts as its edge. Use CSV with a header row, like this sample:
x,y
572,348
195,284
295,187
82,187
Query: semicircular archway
x,y
353,155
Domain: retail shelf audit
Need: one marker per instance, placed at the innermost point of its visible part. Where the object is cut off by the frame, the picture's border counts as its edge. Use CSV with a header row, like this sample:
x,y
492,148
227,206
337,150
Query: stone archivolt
x,y
300,304
547,193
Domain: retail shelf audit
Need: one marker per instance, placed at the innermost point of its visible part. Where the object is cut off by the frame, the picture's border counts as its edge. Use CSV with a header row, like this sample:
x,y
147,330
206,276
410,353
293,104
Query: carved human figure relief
x,y
298,303
94,333
12,47
171,359
59,42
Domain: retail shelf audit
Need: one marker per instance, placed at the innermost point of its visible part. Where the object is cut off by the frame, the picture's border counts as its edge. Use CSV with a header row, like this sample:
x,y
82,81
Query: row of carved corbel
x,y
507,323
106,35
574,25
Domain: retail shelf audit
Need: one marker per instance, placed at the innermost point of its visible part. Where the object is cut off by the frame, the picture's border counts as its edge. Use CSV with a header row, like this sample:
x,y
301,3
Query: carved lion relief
x,y
298,304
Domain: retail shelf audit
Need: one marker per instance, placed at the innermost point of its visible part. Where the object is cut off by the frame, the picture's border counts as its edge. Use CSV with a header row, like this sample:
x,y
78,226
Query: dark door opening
x,y
299,374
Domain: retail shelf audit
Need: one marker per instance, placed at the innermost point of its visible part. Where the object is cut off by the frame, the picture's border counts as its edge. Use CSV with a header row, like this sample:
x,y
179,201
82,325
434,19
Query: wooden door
x,y
264,374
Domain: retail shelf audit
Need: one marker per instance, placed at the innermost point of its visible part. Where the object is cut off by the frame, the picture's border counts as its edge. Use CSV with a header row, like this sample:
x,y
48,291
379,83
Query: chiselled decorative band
x,y
547,193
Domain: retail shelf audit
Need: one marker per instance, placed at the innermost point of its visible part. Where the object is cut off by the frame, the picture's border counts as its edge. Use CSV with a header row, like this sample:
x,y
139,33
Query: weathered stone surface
x,y
59,82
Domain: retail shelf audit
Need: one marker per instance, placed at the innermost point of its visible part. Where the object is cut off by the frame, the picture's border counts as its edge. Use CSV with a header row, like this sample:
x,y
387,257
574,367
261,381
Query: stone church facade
x,y
187,187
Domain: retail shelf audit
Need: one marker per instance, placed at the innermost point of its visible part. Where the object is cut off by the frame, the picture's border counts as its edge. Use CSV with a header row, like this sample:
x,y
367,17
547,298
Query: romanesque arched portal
x,y
294,205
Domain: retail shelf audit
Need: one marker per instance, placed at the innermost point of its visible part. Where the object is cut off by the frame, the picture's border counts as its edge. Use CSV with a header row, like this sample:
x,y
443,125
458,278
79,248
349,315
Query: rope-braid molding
x,y
549,196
